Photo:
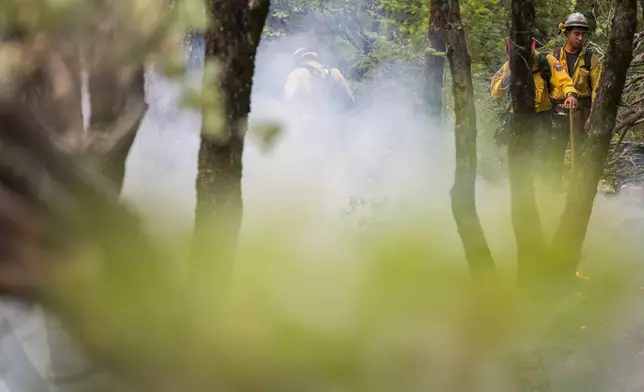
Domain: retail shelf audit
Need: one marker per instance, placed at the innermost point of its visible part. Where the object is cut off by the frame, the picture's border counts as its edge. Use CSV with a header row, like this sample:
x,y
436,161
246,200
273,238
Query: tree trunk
x,y
118,106
463,192
117,98
570,235
53,92
435,64
231,41
525,215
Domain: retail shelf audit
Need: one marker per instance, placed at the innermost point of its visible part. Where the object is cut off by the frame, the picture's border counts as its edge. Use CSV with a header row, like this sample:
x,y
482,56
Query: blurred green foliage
x,y
345,311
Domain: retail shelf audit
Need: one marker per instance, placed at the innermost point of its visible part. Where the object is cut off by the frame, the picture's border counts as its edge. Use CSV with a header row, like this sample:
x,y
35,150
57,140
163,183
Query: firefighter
x,y
581,64
550,69
544,67
548,74
311,87
584,68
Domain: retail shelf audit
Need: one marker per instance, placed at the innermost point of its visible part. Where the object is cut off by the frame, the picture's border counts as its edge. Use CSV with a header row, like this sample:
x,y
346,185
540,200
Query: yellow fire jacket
x,y
582,78
301,83
559,79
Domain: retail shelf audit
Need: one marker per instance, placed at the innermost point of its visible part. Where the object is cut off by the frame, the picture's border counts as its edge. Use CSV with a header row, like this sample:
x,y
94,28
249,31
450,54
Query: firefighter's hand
x,y
570,103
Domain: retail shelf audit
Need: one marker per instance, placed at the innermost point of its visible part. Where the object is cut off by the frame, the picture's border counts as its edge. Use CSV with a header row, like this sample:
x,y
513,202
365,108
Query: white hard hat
x,y
303,52
576,19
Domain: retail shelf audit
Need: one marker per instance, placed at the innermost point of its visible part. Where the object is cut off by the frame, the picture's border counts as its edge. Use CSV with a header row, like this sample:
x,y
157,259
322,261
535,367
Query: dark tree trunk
x,y
231,41
525,215
570,235
463,192
435,64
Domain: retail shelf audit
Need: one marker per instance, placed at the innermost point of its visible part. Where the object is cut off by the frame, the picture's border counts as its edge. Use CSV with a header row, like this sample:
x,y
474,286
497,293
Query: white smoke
x,y
384,160
385,150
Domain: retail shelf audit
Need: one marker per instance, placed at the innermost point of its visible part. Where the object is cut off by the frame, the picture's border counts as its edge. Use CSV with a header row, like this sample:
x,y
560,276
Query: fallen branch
x,y
624,126
629,121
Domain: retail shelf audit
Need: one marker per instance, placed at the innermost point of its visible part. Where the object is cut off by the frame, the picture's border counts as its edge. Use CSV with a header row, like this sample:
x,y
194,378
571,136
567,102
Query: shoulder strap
x,y
588,58
557,53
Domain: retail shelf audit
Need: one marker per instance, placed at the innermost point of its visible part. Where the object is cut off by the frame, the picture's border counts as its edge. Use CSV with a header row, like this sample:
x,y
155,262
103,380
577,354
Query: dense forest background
x,y
375,40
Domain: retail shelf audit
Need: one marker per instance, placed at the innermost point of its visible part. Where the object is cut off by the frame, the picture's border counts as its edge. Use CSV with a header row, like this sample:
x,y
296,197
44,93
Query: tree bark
x,y
570,235
53,92
231,41
463,193
118,107
525,215
435,64
116,92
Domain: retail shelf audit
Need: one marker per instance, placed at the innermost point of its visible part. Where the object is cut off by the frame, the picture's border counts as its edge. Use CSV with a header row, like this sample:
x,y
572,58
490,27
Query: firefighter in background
x,y
548,74
312,88
584,68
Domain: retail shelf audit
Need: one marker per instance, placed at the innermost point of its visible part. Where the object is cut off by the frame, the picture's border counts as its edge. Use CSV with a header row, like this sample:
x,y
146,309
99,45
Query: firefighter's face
x,y
575,37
